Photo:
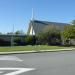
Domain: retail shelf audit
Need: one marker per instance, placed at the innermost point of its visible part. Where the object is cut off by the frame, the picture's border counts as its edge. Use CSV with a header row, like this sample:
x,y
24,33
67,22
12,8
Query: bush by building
x,y
30,40
49,38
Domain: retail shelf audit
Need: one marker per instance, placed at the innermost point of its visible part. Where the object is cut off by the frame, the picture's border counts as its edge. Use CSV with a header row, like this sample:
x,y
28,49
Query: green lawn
x,y
29,48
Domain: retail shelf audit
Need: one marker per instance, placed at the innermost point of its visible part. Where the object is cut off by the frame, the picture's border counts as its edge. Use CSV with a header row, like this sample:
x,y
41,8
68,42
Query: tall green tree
x,y
69,33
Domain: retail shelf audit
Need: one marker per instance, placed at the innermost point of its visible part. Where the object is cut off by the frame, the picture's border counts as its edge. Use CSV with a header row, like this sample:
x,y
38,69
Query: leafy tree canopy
x,y
69,32
73,22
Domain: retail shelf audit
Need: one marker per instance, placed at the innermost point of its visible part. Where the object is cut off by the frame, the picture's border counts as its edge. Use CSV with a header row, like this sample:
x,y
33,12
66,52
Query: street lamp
x,y
12,37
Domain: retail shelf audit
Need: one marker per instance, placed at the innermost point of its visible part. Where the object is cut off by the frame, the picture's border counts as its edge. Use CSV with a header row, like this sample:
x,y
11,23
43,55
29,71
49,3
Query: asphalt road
x,y
49,63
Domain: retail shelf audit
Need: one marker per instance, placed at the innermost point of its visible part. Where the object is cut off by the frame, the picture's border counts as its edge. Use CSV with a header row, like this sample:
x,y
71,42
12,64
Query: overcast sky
x,y
18,12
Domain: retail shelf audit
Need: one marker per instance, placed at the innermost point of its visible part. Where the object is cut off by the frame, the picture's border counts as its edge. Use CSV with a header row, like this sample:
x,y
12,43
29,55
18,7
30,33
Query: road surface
x,y
49,63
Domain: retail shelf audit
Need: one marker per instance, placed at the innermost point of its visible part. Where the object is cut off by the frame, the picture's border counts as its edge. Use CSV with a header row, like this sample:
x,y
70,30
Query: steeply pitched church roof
x,y
39,26
48,23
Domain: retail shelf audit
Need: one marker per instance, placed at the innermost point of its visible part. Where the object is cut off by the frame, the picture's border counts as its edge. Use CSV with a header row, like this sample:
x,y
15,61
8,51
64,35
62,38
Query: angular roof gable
x,y
39,26
48,23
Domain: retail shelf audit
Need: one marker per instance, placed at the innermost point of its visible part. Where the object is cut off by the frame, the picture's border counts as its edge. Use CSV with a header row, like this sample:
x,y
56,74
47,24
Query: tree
x,y
19,32
68,33
30,40
41,38
49,37
73,22
0,33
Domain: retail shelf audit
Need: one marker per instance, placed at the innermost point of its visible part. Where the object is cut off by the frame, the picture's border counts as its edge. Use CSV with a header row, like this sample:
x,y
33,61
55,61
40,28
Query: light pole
x,y
12,37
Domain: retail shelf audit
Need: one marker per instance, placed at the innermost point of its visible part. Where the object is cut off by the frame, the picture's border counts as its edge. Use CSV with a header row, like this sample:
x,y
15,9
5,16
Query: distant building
x,y
36,26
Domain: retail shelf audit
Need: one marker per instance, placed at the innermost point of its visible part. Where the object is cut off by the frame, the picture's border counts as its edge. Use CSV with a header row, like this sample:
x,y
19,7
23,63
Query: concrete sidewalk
x,y
37,51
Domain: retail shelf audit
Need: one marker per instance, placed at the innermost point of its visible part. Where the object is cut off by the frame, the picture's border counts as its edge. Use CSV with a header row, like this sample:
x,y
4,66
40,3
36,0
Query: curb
x,y
37,51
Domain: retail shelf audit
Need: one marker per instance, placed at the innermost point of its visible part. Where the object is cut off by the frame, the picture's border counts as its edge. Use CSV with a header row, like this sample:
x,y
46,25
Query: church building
x,y
37,26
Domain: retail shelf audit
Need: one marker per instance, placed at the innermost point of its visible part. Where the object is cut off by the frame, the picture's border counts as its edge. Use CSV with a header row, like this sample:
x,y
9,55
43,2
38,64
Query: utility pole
x,y
12,37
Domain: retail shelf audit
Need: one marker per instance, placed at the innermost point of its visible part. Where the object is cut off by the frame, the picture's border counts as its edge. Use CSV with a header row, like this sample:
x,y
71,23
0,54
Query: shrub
x,y
30,40
49,38
19,41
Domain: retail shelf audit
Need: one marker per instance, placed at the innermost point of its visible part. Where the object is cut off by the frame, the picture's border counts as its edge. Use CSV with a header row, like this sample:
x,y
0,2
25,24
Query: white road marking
x,y
11,58
18,70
